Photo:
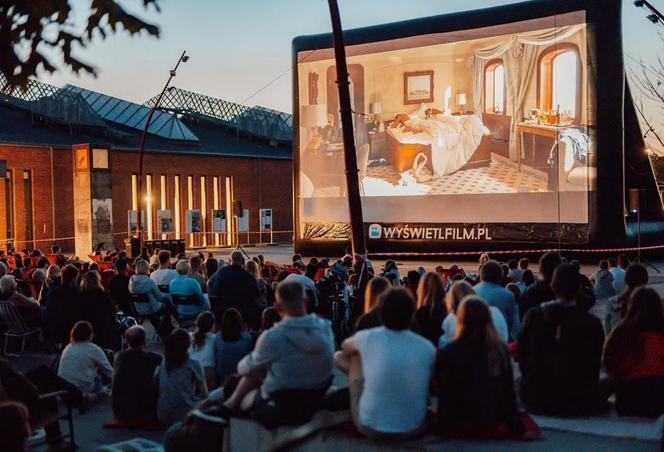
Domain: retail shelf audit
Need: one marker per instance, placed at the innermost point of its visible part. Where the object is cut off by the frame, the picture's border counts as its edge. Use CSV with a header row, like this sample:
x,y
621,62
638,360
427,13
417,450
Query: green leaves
x,y
33,33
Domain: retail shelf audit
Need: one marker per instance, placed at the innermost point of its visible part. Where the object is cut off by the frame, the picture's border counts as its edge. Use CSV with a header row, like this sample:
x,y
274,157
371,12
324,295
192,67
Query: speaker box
x,y
238,211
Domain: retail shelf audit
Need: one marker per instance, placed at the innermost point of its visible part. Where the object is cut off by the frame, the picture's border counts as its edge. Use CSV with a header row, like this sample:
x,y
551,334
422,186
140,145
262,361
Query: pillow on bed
x,y
420,113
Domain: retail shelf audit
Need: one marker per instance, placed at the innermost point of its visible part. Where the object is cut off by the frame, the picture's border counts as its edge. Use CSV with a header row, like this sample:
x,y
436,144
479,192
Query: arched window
x,y
494,87
560,80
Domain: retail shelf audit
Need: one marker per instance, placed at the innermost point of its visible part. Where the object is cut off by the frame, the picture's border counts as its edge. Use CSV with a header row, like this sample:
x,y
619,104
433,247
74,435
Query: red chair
x,y
96,259
52,258
105,266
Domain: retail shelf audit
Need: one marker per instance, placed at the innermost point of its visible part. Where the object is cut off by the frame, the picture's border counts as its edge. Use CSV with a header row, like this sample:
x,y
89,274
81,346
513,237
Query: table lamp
x,y
314,116
461,102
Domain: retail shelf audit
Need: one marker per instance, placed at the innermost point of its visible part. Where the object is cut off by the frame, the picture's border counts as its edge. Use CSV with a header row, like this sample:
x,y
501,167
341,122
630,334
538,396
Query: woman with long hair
x,y
98,309
475,381
430,310
181,379
373,293
616,307
231,344
634,356
457,292
202,347
52,280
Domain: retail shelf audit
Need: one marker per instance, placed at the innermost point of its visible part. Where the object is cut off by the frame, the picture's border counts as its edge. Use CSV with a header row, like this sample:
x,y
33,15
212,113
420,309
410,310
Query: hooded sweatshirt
x,y
296,353
604,285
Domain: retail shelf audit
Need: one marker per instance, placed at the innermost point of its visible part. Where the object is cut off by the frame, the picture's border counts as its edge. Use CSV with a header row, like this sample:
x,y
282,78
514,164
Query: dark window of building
x,y
27,206
9,204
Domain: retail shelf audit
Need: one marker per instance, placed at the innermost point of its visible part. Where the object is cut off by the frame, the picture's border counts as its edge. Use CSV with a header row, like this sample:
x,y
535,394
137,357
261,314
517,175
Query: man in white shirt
x,y
389,369
164,275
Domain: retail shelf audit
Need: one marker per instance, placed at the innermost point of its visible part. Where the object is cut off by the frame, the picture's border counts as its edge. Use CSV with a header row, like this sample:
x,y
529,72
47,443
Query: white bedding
x,y
453,139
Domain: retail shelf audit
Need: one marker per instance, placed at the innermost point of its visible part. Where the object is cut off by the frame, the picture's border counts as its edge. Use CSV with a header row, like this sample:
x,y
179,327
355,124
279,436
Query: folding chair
x,y
143,299
185,321
16,327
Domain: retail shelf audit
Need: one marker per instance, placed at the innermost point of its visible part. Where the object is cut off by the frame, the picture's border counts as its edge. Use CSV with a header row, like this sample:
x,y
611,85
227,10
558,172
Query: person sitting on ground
x,y
269,317
490,290
63,307
284,379
134,393
389,369
474,377
118,286
144,254
38,275
457,292
14,427
233,287
634,356
28,309
231,344
618,274
84,364
254,270
53,279
140,283
541,291
603,281
372,298
211,267
164,274
527,281
560,349
181,380
515,272
311,290
391,272
616,306
61,259
184,286
98,309
196,272
430,310
484,258
154,259
202,347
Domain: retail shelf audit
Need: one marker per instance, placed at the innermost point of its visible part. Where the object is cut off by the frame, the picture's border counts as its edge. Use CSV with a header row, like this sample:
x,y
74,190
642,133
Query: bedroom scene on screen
x,y
478,112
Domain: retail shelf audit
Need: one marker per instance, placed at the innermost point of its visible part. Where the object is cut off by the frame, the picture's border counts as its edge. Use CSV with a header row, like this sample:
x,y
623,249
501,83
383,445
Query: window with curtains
x,y
494,87
560,80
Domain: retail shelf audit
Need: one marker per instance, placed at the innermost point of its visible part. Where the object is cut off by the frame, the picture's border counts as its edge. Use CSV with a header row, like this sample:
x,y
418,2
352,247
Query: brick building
x,y
71,159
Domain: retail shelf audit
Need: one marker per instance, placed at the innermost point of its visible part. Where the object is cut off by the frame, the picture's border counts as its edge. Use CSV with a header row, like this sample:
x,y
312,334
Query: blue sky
x,y
237,47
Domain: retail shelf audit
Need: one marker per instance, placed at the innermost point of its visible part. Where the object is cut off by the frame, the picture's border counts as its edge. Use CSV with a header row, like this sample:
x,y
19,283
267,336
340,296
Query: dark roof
x,y
45,115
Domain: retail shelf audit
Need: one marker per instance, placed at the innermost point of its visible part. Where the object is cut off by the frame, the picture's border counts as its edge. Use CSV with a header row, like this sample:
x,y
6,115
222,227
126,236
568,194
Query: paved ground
x,y
90,434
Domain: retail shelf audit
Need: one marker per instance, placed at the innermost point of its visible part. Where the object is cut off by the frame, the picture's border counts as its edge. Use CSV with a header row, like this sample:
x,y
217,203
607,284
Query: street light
x,y
655,16
183,59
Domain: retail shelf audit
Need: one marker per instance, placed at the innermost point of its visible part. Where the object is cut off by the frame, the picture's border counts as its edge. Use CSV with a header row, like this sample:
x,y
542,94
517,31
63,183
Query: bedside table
x,y
378,142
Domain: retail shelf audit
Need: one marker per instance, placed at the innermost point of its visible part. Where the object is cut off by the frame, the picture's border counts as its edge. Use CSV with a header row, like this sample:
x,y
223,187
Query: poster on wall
x,y
243,221
102,213
194,220
456,143
218,220
164,221
266,219
132,220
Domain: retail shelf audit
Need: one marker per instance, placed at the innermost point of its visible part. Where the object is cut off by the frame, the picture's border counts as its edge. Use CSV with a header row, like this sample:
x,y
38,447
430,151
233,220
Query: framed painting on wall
x,y
417,87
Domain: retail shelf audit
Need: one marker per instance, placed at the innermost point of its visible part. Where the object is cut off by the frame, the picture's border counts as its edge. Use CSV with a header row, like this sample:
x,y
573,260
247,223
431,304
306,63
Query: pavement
x,y
90,433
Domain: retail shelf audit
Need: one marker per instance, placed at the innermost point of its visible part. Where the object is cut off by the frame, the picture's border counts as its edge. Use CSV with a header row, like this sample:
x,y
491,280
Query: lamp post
x,y
139,182
354,202
654,16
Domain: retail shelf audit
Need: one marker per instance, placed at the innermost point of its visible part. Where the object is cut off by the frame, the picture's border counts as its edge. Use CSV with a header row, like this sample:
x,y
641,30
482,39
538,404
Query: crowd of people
x,y
262,340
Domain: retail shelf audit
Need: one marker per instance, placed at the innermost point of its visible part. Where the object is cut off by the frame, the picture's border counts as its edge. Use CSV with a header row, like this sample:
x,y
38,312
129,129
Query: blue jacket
x,y
183,285
501,298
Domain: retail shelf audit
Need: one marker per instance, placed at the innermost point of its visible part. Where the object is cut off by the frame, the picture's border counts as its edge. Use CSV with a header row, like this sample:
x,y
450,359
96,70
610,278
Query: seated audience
x,y
184,286
233,287
490,290
269,317
181,380
211,267
515,271
202,347
63,307
603,282
560,349
376,287
140,283
284,379
616,307
196,272
28,309
231,344
389,369
541,291
457,292
430,310
53,279
255,270
134,393
154,259
634,356
118,286
527,281
84,364
164,274
98,309
474,373
14,427
618,274
60,258
311,291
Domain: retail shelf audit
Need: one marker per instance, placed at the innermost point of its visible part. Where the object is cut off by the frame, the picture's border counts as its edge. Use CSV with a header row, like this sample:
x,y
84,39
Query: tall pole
x,y
139,182
354,201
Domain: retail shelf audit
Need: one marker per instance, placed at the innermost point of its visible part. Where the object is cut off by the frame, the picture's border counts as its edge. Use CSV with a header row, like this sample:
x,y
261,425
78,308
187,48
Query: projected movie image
x,y
490,125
